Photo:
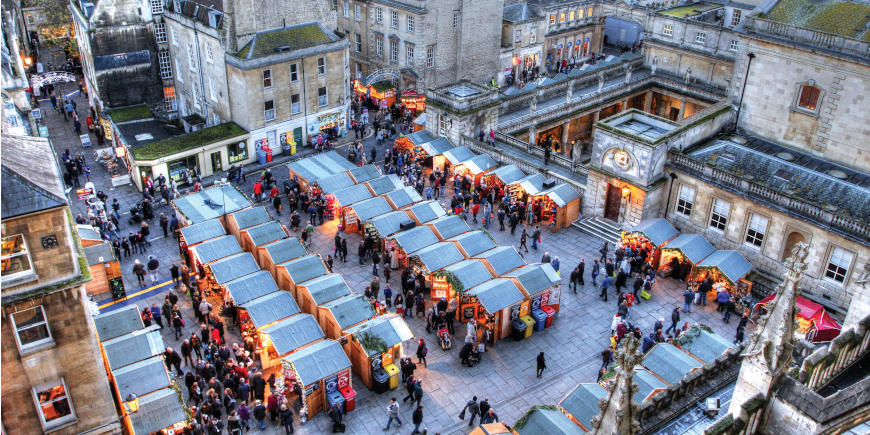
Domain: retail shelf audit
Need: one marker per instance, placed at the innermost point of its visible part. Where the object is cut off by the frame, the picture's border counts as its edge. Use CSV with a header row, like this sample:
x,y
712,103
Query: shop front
x,y
318,372
430,260
727,269
647,238
557,206
258,314
413,101
682,254
338,205
490,306
456,156
542,284
475,168
331,125
375,345
429,154
286,336
381,93
501,177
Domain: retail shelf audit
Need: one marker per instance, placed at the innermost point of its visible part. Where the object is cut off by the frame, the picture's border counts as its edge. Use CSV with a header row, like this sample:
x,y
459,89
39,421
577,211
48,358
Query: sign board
x,y
387,358
344,379
37,114
545,298
331,384
524,308
469,312
43,131
311,389
121,180
116,285
555,295
86,140
440,287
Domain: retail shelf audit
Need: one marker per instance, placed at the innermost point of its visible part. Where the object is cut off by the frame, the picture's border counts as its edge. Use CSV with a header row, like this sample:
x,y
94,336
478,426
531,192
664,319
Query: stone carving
x,y
600,81
655,63
618,411
627,73
864,278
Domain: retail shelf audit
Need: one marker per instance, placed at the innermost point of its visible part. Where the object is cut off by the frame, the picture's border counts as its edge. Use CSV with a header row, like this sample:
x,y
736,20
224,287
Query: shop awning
x,y
470,273
266,233
658,231
232,267
582,403
457,155
706,346
335,182
133,347
251,217
497,294
370,208
502,259
216,249
562,194
384,184
352,194
157,411
285,250
535,278
118,322
479,164
251,286
730,263
437,147
293,332
403,197
474,242
388,327
142,377
415,239
427,211
273,307
549,421
202,231
647,384
318,361
304,268
349,310
694,246
532,184
669,362
508,174
361,174
326,288
211,203
390,223
826,327
438,256
420,137
449,226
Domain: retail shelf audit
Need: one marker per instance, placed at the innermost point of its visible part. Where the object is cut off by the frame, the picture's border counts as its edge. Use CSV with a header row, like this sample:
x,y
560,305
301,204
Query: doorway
x,y
612,202
216,165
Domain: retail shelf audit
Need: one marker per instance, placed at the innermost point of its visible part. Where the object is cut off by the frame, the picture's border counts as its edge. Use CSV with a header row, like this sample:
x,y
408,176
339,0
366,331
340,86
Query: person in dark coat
x,y
675,318
417,419
422,350
542,364
286,419
258,384
260,414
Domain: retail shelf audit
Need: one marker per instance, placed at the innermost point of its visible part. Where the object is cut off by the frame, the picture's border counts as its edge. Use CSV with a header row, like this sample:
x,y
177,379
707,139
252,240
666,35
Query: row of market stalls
x,y
141,385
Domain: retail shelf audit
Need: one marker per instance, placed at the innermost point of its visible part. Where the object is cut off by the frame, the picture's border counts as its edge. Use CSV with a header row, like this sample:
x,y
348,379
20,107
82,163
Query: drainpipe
x,y
202,99
743,91
670,190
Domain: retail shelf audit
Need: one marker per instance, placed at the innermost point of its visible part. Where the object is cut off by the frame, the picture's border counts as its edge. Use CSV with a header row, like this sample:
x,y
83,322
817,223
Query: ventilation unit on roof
x,y
282,48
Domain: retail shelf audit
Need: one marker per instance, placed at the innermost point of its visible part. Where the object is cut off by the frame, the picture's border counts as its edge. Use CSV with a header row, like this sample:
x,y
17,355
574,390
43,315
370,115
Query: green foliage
x,y
187,413
54,11
173,145
373,342
525,418
383,85
130,113
451,278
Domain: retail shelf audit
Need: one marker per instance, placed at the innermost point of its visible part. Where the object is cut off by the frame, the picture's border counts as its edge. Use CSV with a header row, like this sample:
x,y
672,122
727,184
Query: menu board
x,y
440,287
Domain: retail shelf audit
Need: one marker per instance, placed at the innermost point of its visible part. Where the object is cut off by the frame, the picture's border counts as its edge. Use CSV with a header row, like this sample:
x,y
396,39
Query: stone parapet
x,y
826,363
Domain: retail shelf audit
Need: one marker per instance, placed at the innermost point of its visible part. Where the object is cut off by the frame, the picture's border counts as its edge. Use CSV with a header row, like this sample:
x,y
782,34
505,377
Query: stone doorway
x,y
612,202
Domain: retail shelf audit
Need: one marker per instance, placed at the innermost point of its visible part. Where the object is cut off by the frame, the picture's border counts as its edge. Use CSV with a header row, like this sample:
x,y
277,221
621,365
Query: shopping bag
x,y
698,298
645,294
462,414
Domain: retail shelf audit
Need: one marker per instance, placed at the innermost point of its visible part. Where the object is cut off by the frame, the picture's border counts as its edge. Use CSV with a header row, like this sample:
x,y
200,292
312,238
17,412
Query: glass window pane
x,y
29,317
54,403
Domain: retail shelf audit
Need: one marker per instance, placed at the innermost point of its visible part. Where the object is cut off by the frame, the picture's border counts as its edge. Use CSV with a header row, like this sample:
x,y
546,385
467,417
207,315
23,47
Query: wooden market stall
x,y
139,378
338,315
221,272
501,259
522,189
547,421
490,428
257,236
456,156
648,237
669,362
559,206
291,273
319,291
311,169
161,410
455,279
213,202
116,323
475,167
410,241
251,217
449,226
728,270
375,343
502,176
249,287
105,271
434,258
287,336
257,314
388,224
315,368
414,140
473,242
281,251
581,404
648,385
195,234
403,197
432,152
361,174
213,250
702,345
330,184
338,202
489,305
686,247
363,211
384,184
132,346
542,284
426,211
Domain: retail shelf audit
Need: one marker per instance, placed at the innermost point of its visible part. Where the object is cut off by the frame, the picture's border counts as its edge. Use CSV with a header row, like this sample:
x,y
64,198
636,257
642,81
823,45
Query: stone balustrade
x,y
756,24
826,363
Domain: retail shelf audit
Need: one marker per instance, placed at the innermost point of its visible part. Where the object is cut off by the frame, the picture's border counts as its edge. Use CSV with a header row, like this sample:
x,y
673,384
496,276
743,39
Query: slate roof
x,y
335,182
318,361
385,183
289,38
267,232
285,250
118,322
142,377
647,384
351,194
549,421
305,268
157,411
390,223
87,232
420,137
349,310
251,217
437,147
198,233
321,165
535,278
293,332
427,211
562,194
479,164
508,174
458,155
658,231
730,263
669,362
326,288
519,12
216,249
251,286
99,253
497,294
703,345
371,207
233,267
273,307
29,184
694,246
502,259
532,184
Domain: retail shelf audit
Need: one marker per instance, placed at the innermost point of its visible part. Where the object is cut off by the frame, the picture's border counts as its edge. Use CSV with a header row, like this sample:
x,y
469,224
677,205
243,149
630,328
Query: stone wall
x,y
50,263
252,16
127,85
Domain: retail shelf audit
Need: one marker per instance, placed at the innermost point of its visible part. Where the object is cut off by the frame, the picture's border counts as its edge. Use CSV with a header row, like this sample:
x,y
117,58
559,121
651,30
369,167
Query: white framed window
x,y
212,89
518,35
562,17
379,46
160,32
734,45
357,12
455,19
685,200
430,57
53,404
394,19
410,24
31,328
156,7
295,106
194,94
580,14
346,9
169,101
294,72
442,125
394,51
179,72
719,214
668,30
191,57
16,260
322,96
269,110
379,15
165,64
571,16
209,54
267,78
409,54
358,43
321,66
735,17
839,262
173,36
755,230
553,19
533,35
589,12
701,38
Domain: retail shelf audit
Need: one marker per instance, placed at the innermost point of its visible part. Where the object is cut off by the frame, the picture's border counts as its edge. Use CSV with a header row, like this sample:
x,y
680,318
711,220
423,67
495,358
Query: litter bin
x,y
551,313
261,156
334,397
349,398
540,319
268,154
380,380
530,324
393,372
518,329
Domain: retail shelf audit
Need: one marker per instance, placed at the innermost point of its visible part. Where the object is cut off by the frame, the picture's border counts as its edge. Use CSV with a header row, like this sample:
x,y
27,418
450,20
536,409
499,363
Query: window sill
x,y
19,278
30,350
751,246
801,110
58,426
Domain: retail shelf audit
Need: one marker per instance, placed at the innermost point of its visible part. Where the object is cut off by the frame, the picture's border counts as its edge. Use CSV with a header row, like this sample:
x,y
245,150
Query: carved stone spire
x,y
768,352
618,412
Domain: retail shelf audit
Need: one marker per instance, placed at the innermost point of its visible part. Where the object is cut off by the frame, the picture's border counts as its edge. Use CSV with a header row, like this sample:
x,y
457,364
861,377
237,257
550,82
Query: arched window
x,y
809,97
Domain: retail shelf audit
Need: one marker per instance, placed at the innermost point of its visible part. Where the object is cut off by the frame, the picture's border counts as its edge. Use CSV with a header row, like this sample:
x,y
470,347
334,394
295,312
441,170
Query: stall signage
x,y
344,379
555,296
331,384
86,140
387,358
524,308
37,114
469,312
311,388
516,311
545,298
440,287
328,120
43,131
536,302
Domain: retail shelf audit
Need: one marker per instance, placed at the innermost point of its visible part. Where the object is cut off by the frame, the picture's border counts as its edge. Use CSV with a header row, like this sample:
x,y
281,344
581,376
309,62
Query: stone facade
x,y
453,117
522,45
578,23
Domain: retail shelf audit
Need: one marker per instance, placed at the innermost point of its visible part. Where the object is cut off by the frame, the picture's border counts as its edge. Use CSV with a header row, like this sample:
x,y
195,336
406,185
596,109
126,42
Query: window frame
x,y
233,147
409,54
294,72
194,94
734,45
394,51
54,424
810,84
759,237
357,12
533,35
170,102
379,15
411,23
209,54
164,61
267,78
179,70
321,66
455,19
212,89
430,57
36,345
394,19
719,222
325,96
156,7
570,15
267,111
552,18
173,36
683,206
25,275
191,56
736,15
160,32
346,9
668,30
358,43
295,108
701,38
379,46
518,36
827,272
561,17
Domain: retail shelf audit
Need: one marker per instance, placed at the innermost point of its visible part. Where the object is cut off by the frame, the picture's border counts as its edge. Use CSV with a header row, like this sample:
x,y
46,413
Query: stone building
x,y
573,29
52,377
522,42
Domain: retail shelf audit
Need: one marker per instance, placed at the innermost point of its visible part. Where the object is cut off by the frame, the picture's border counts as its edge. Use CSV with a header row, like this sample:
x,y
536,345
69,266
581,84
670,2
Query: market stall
x,y
257,314
525,187
361,174
501,259
411,100
311,169
133,346
192,235
213,250
581,404
410,241
475,167
704,346
426,211
249,287
382,93
728,270
648,385
430,154
456,156
330,184
337,316
337,203
543,285
281,251
455,279
434,258
287,336
449,226
414,140
106,270
214,202
161,410
319,291
387,224
384,184
691,248
813,321
363,211
403,197
547,421
260,235
218,274
291,273
502,176
316,368
116,323
559,205
246,219
473,242
489,306
490,428
139,378
376,343
669,362
648,237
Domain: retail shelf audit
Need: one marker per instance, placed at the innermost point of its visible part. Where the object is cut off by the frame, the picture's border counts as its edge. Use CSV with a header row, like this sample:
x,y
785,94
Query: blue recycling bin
x,y
334,397
540,319
261,156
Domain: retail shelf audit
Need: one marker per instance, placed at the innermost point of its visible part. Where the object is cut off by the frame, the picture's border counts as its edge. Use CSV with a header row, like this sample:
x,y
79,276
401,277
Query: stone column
x,y
565,128
570,91
859,307
623,105
682,110
595,117
627,74
647,101
532,137
534,105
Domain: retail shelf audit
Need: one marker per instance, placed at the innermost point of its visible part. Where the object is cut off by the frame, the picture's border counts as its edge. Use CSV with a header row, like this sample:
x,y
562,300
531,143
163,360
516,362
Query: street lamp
x,y
626,195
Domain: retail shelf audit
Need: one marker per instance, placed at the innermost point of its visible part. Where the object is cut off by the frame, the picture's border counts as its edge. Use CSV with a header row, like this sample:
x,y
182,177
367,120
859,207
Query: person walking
x,y
688,297
260,414
417,419
605,284
675,318
422,350
139,271
603,251
542,364
153,266
393,413
286,419
418,391
155,312
473,408
164,224
173,271
596,270
489,417
523,236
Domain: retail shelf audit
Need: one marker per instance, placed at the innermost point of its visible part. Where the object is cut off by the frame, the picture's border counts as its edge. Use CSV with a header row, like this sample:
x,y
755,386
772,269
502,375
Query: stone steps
x,y
602,228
